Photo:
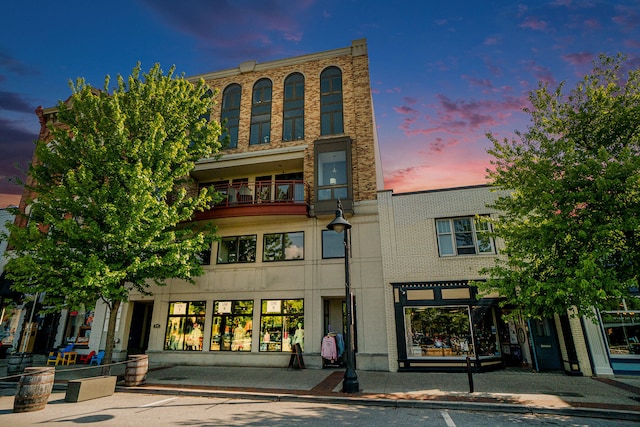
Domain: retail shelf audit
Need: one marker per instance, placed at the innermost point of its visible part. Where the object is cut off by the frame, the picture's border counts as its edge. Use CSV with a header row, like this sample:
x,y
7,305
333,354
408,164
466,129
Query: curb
x,y
604,412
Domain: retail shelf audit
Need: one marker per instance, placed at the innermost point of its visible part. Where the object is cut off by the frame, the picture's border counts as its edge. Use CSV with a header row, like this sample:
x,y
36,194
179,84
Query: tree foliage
x,y
111,208
571,224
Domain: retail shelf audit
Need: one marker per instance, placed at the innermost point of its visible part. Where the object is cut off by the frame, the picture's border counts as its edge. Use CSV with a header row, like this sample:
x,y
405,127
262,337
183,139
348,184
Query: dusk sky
x,y
443,74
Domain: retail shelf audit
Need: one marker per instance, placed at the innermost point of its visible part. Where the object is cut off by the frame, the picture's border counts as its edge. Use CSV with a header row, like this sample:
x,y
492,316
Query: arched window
x,y
293,108
331,102
231,113
261,113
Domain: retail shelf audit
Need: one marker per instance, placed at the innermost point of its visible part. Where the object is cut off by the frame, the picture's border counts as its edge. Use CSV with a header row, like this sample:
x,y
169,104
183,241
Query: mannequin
x,y
298,337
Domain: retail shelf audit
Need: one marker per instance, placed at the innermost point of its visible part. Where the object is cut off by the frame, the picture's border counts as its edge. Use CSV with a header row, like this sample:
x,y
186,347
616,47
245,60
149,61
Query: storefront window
x,y
232,326
446,331
622,326
281,324
185,325
485,331
438,331
79,327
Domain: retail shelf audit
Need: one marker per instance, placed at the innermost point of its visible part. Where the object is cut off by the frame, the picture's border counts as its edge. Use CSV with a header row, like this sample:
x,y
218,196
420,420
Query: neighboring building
x,y
434,243
301,136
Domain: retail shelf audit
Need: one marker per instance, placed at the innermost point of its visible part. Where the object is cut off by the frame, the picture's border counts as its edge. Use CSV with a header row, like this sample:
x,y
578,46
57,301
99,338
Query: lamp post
x,y
340,225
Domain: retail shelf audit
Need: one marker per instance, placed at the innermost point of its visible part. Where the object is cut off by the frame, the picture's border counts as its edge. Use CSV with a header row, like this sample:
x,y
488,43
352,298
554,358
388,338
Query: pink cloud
x,y
209,23
628,18
534,23
540,72
578,58
592,24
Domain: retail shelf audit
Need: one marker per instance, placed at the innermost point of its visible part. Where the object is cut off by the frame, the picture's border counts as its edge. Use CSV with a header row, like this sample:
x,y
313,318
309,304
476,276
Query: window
x,y
204,257
232,326
293,108
464,236
332,175
185,326
237,249
332,244
331,102
261,113
438,331
281,324
230,115
622,328
283,246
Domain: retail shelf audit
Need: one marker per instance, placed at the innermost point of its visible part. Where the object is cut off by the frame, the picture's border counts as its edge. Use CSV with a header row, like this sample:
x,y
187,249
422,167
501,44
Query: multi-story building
x,y
300,136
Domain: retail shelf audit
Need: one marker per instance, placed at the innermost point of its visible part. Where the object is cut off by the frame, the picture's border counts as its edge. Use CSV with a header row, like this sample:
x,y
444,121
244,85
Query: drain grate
x,y
173,378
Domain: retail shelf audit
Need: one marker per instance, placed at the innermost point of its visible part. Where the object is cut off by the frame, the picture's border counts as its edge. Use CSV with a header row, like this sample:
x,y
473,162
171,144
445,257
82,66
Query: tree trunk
x,y
111,332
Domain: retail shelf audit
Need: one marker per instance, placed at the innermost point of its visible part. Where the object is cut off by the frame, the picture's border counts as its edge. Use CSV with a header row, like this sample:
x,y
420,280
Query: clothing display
x,y
329,350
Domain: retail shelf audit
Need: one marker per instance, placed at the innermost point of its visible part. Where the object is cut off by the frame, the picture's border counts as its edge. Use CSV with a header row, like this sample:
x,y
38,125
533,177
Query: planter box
x,y
90,388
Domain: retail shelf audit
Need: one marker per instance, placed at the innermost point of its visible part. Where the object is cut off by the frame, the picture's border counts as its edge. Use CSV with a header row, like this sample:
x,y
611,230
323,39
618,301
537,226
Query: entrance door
x,y
140,327
545,344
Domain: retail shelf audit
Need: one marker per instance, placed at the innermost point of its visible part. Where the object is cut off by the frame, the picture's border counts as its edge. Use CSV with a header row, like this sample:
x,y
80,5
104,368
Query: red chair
x,y
85,358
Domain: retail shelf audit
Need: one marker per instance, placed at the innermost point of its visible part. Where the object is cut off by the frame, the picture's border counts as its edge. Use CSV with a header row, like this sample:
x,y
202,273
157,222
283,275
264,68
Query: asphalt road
x,y
140,410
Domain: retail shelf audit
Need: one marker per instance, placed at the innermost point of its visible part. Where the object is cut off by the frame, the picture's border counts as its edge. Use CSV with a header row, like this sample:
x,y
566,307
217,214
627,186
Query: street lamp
x,y
340,225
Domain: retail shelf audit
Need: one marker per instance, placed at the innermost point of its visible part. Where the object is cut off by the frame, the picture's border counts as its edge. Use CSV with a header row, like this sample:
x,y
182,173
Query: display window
x,y
281,324
185,326
622,328
232,326
446,331
78,329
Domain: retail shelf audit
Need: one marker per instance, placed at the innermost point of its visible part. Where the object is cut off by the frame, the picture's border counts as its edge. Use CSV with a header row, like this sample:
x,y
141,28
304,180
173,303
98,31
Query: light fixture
x,y
350,383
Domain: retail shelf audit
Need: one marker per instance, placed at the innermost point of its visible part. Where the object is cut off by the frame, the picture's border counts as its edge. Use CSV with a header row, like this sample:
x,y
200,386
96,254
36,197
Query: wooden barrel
x,y
34,389
136,370
18,362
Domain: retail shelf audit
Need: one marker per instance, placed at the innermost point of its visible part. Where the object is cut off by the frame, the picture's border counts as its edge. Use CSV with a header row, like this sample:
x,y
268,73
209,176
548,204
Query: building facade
x,y
300,136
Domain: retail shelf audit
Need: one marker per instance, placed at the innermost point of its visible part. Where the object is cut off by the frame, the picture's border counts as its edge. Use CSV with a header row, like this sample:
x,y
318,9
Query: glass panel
x,y
185,325
232,326
623,332
485,331
444,226
294,246
445,245
281,325
438,332
273,249
247,249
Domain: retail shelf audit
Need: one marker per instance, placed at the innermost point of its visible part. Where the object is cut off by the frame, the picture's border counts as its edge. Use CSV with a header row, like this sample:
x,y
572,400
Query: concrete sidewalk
x,y
510,390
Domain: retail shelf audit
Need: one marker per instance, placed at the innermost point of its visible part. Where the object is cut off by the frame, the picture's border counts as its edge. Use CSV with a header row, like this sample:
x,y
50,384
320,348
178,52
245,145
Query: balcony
x,y
290,197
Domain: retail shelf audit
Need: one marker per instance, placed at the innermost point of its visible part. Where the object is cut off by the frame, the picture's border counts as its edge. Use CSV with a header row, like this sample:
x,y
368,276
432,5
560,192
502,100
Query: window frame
x,y
199,318
455,236
261,105
228,319
292,112
283,249
288,322
331,101
237,248
230,114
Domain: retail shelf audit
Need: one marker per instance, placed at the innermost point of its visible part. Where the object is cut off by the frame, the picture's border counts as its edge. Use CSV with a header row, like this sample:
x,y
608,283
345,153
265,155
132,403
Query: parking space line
x,y
447,419
158,402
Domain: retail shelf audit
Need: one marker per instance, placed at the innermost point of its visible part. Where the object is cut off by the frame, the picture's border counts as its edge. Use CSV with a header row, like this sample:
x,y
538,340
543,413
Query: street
x,y
139,410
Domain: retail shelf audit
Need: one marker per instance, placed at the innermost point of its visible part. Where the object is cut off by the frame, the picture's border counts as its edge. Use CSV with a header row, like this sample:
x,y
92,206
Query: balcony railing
x,y
281,197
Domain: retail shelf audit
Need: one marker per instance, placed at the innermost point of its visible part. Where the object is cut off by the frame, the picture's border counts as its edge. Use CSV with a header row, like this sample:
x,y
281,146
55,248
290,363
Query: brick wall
x,y
357,108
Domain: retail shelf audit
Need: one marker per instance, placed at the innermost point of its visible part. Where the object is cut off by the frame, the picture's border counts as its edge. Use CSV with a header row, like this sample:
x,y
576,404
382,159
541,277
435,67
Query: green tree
x,y
111,209
571,224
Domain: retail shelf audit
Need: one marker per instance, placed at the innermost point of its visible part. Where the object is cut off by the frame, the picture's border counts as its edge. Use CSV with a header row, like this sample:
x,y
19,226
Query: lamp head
x,y
339,224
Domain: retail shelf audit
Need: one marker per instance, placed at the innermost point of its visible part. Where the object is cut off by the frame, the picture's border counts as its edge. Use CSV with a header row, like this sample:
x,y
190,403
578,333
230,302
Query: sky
x,y
443,74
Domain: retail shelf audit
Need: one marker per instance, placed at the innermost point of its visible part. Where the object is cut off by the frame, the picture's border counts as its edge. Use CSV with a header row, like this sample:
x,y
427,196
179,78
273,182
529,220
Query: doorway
x,y
545,345
140,327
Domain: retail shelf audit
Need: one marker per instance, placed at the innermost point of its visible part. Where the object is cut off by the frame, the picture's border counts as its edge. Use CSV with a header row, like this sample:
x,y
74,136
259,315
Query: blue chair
x,y
97,359
56,357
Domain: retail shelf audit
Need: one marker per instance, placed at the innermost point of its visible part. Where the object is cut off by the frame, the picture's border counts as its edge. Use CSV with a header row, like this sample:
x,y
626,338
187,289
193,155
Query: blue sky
x,y
442,73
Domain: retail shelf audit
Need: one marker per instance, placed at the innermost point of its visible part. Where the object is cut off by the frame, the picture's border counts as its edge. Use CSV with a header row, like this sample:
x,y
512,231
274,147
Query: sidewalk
x,y
511,390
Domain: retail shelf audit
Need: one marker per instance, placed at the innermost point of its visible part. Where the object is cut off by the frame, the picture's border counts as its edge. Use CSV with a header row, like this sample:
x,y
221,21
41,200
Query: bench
x,y
90,388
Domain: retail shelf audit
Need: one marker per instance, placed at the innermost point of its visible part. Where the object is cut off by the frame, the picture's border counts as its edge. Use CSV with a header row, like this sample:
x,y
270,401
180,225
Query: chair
x,y
97,359
86,358
56,357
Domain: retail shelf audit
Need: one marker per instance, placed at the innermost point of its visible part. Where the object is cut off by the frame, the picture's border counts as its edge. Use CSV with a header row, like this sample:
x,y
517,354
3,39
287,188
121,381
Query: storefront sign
x,y
274,306
224,307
